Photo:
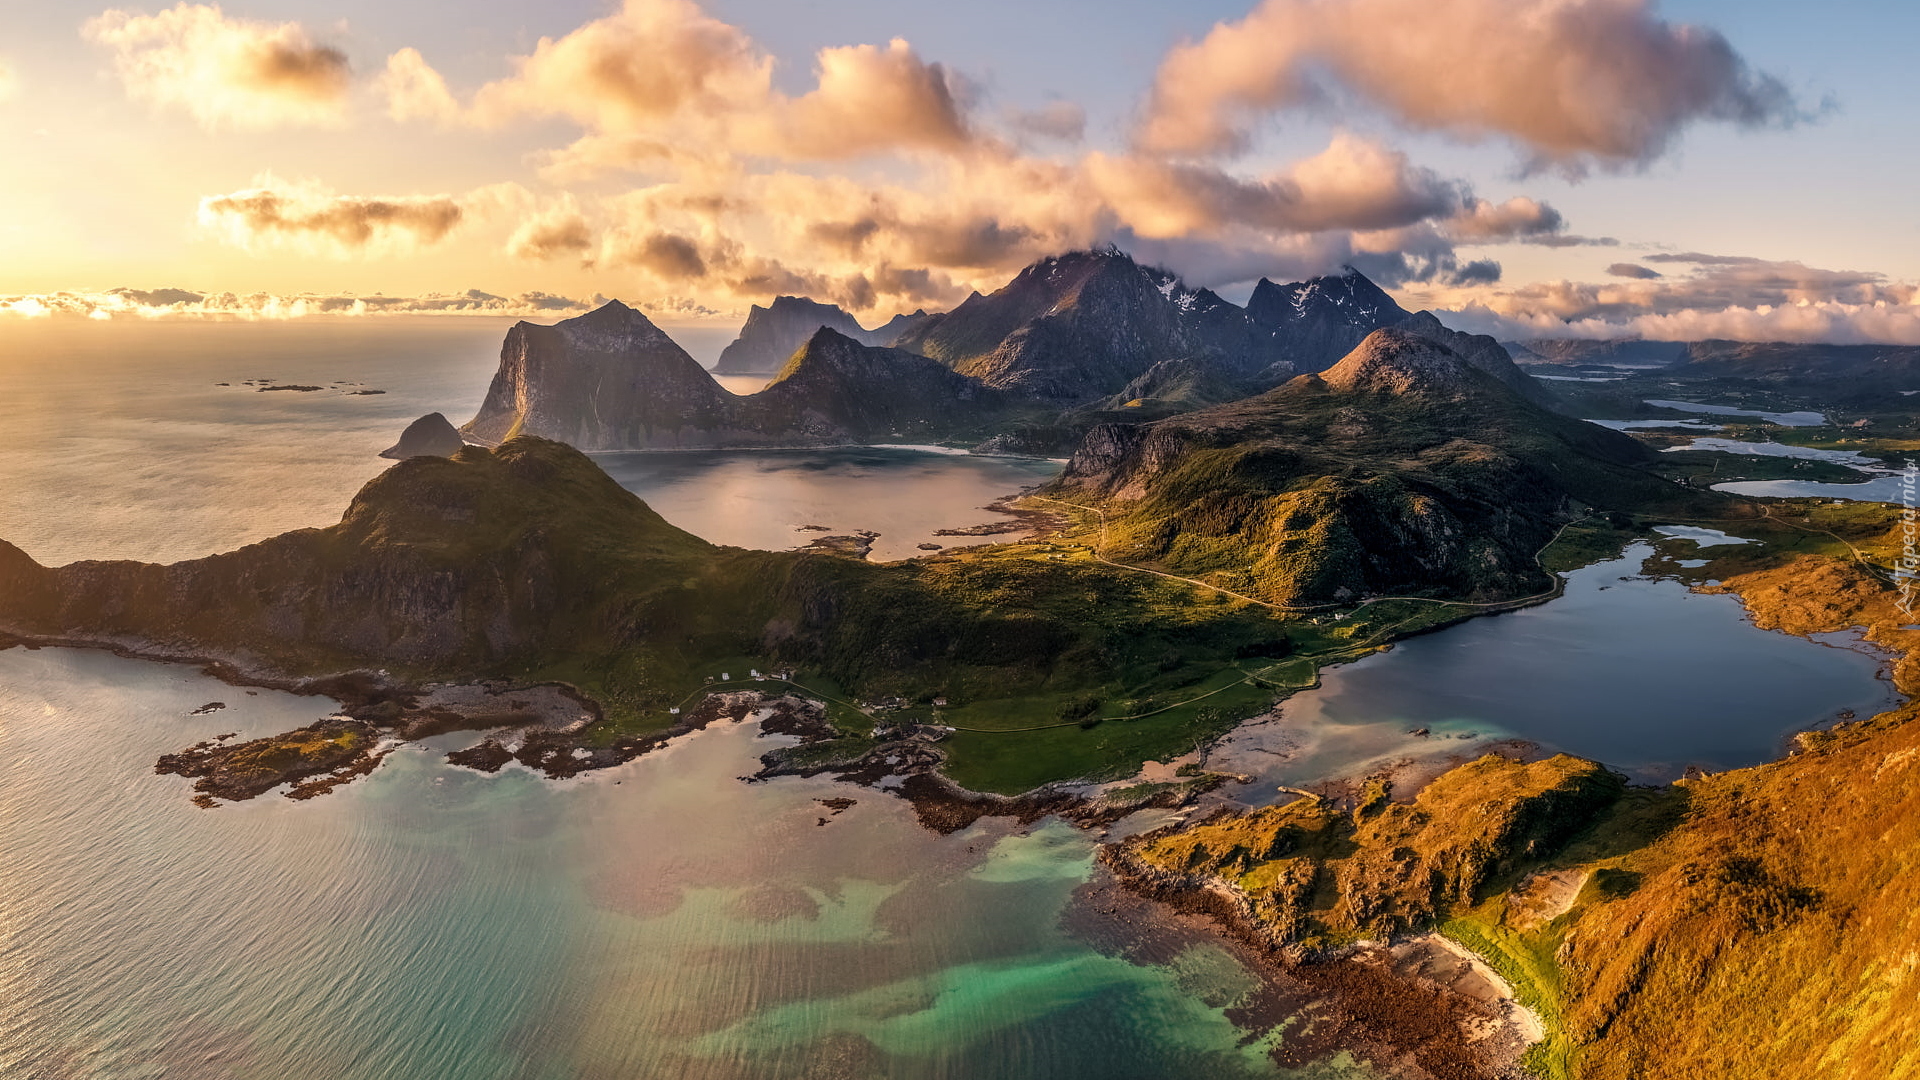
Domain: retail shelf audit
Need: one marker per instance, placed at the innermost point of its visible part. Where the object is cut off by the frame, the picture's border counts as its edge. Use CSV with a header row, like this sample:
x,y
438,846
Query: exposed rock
x,y
771,334
1401,362
1080,326
1320,320
242,771
606,380
1484,353
611,380
857,546
430,436
890,332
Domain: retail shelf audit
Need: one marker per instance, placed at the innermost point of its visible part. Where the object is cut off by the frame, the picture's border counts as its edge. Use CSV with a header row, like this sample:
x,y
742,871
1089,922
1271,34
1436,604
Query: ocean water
x,y
122,445
661,919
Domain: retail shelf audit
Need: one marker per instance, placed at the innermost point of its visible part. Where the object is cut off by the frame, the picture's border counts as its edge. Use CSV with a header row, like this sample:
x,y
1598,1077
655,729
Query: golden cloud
x,y
225,72
307,217
1574,82
661,78
1735,297
414,91
186,304
559,230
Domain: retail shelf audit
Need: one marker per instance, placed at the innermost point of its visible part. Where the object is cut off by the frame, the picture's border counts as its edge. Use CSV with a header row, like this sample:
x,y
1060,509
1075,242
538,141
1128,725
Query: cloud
x,y
307,217
1058,119
188,304
1517,218
1719,296
662,79
414,91
733,206
9,82
560,230
870,99
1353,184
1826,322
1566,240
225,72
1573,82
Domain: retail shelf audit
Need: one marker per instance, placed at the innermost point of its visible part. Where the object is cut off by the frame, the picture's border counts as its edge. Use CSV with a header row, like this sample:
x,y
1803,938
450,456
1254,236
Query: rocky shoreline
x,y
1417,1001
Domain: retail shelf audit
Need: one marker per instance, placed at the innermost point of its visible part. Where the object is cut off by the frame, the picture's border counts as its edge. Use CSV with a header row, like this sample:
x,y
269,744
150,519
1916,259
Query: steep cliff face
x,y
1080,326
611,380
1403,470
606,380
772,333
1320,320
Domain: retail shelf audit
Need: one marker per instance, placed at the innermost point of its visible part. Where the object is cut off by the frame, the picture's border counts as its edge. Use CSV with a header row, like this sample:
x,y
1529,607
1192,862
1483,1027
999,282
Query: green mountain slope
x,y
1404,469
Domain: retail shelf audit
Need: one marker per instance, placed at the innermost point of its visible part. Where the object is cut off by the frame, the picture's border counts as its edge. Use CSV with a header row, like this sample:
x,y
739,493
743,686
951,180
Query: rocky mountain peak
x,y
599,381
1319,320
1401,362
772,333
615,327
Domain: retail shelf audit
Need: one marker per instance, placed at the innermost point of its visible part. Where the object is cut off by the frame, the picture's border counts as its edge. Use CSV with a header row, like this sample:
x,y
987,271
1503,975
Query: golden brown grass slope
x,y
1776,932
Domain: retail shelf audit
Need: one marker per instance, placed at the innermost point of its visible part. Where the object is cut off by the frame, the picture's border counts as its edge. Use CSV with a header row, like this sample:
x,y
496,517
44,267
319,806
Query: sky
x,y
1600,168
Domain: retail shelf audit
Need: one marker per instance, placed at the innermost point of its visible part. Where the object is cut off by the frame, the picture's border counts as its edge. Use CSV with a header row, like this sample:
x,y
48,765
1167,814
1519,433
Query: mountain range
x,y
1069,338
611,380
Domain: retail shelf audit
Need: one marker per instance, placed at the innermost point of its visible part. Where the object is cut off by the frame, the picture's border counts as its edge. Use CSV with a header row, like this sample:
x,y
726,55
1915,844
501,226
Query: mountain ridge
x,y
1404,469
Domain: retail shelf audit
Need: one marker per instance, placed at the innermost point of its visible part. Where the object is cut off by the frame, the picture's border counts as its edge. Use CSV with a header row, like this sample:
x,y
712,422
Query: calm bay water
x,y
756,498
1642,674
661,919
1877,489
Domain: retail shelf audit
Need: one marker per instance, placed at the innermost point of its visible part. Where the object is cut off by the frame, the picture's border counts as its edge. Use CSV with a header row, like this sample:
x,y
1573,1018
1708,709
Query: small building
x,y
724,677
939,703
675,711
